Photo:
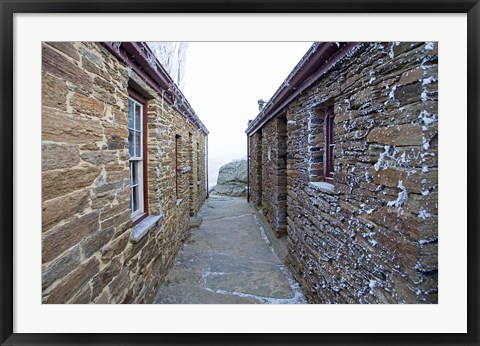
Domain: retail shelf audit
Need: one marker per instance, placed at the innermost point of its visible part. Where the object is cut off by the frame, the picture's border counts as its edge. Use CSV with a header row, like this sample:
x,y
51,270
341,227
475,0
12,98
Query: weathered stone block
x,y
105,276
102,299
67,48
95,69
408,93
96,241
411,76
68,235
75,281
54,92
117,137
60,183
58,156
92,146
428,260
405,251
117,172
98,158
149,252
405,223
59,126
402,47
117,220
428,203
60,66
400,135
115,248
87,105
62,266
89,52
413,182
100,201
402,290
133,249
119,285
104,87
62,208
388,176
83,297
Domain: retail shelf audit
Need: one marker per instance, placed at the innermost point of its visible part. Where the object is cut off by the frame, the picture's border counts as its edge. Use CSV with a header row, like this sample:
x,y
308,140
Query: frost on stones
x,y
359,241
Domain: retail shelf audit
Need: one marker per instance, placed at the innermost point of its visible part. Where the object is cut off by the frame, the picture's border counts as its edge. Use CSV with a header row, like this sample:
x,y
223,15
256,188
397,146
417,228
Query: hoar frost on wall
x,y
172,56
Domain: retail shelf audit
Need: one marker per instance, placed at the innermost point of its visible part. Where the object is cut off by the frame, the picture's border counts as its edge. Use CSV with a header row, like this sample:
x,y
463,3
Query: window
x,y
198,163
329,146
321,144
178,163
138,154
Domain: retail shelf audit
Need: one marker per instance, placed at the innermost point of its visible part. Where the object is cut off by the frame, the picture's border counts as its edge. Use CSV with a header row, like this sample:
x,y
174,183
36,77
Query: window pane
x,y
134,199
131,107
131,200
138,123
138,152
134,173
132,165
130,143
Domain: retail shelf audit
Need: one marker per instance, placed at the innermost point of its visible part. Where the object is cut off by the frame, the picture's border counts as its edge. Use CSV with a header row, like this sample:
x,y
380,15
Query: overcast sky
x,y
224,80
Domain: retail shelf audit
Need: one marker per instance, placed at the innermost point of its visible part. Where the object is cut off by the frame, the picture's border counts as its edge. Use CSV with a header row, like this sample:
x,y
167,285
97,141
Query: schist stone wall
x,y
255,163
268,172
88,252
371,236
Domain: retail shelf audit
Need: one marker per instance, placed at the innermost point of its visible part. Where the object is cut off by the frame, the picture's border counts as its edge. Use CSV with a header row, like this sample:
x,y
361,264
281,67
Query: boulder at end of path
x,y
232,179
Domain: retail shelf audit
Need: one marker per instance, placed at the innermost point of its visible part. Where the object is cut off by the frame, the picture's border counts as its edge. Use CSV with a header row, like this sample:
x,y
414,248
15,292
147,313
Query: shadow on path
x,y
228,260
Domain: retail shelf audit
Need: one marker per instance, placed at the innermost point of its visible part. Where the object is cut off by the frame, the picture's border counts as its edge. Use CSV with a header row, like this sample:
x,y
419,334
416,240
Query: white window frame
x,y
136,162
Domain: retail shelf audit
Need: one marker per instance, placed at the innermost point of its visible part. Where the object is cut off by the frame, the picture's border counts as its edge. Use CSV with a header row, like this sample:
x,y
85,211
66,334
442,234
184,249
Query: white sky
x,y
224,80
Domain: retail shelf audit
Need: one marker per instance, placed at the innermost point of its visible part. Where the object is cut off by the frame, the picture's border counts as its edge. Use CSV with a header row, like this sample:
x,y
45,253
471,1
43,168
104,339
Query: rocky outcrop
x,y
232,179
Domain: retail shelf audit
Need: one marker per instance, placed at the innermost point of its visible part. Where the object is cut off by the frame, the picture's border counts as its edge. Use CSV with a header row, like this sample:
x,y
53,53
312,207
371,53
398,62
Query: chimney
x,y
261,104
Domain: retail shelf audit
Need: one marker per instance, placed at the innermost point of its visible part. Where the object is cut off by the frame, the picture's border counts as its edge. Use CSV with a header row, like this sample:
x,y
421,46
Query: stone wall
x,y
273,172
255,169
371,236
87,251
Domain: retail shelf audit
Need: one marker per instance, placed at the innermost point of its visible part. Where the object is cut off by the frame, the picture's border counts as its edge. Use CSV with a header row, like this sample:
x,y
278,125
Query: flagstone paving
x,y
228,260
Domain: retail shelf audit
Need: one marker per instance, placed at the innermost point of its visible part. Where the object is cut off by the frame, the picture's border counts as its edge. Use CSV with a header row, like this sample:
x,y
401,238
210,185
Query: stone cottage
x,y
343,162
123,169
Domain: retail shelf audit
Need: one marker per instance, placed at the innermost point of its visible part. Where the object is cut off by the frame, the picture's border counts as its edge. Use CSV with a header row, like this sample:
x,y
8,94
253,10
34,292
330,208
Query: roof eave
x,y
142,60
319,58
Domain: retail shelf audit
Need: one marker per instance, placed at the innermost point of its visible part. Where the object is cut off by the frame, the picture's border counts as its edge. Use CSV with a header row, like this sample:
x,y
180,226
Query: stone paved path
x,y
228,260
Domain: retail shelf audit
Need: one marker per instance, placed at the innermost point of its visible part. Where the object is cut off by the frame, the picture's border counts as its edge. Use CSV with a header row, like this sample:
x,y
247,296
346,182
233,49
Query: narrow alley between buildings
x,y
229,259
340,178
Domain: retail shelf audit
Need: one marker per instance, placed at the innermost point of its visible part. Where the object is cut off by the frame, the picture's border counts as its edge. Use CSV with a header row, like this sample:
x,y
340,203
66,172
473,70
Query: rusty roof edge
x,y
319,52
285,85
184,102
159,77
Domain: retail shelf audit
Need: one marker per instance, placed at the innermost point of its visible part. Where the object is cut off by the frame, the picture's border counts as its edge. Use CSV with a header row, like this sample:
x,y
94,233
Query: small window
x,y
137,150
198,163
321,143
178,162
329,146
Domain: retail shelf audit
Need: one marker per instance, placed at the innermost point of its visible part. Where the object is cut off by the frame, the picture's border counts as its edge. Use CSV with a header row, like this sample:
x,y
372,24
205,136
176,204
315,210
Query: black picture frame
x,y
9,7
